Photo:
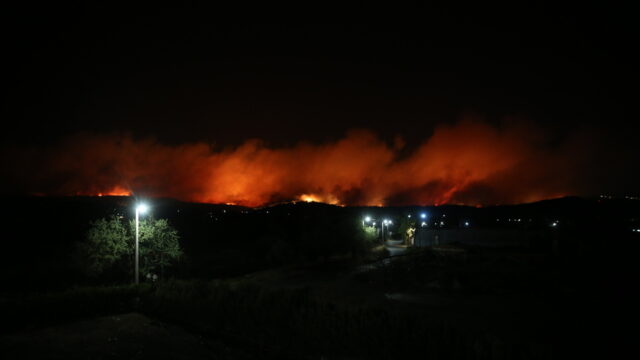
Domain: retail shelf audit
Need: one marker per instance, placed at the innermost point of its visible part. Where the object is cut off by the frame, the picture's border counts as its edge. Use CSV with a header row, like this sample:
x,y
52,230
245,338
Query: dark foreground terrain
x,y
329,310
124,336
442,302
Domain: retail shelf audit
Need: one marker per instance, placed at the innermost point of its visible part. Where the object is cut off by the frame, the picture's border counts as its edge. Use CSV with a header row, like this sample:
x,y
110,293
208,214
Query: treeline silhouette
x,y
42,233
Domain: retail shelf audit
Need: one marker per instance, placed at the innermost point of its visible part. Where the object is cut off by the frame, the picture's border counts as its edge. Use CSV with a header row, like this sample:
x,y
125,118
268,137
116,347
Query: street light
x,y
384,222
140,209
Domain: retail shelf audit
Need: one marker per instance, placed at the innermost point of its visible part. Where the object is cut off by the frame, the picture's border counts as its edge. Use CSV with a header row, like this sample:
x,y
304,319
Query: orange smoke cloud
x,y
470,162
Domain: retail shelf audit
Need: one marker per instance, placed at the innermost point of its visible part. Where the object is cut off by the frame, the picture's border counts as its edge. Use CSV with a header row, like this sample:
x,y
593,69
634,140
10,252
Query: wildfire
x,y
116,191
308,198
467,163
329,199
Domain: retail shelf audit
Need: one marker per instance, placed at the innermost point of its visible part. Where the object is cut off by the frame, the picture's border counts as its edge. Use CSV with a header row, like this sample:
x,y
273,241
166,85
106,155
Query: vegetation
x,y
316,307
24,312
283,322
110,243
407,229
316,238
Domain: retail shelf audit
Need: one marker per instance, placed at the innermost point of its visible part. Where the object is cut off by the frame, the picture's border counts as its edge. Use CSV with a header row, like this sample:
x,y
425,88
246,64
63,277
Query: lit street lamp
x,y
140,209
384,222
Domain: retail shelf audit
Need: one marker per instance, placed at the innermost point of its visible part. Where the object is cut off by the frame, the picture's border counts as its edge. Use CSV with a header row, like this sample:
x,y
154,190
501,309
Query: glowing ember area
x,y
116,191
309,198
470,163
317,198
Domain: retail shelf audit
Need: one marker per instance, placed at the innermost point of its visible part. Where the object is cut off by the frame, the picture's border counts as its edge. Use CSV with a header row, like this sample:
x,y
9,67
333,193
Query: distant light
x,y
424,224
390,222
441,223
466,223
423,216
142,208
367,219
409,216
374,223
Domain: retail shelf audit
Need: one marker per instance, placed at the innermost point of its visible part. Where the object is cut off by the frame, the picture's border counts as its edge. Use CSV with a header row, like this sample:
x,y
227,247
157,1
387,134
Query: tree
x,y
159,245
407,228
109,247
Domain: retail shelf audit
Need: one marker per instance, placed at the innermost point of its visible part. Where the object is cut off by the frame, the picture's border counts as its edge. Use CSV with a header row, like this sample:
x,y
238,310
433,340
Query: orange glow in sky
x,y
470,162
116,191
319,198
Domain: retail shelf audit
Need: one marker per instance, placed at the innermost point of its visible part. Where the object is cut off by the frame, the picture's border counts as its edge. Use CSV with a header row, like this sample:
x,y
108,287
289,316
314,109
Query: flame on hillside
x,y
470,162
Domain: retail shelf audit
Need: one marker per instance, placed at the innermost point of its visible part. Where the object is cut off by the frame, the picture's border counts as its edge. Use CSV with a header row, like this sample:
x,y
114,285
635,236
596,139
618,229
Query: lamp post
x,y
140,209
382,224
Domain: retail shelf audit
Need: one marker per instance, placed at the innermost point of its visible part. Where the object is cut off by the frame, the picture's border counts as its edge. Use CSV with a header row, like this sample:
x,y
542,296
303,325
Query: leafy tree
x,y
366,237
369,234
407,229
104,248
159,245
109,247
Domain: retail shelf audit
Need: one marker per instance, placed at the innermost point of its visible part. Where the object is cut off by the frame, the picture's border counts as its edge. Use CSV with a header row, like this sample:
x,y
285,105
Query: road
x,y
395,247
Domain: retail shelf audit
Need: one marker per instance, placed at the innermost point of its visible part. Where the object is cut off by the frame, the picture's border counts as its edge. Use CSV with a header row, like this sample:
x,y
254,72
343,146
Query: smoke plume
x,y
470,162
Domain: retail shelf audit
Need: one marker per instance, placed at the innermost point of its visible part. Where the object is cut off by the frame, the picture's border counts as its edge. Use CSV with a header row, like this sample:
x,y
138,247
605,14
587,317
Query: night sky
x,y
476,107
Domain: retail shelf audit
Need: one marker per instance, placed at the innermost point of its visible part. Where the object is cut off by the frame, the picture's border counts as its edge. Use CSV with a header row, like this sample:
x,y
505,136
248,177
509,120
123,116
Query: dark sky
x,y
180,76
493,105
